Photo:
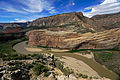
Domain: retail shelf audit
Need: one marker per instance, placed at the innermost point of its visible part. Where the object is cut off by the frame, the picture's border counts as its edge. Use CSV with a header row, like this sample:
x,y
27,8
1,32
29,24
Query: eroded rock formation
x,y
72,40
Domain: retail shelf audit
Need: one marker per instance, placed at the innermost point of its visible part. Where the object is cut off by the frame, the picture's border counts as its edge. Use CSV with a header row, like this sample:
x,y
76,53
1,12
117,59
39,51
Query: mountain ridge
x,y
74,20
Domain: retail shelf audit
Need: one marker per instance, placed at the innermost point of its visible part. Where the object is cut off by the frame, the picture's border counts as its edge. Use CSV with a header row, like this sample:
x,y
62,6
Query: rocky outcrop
x,y
107,39
22,69
70,77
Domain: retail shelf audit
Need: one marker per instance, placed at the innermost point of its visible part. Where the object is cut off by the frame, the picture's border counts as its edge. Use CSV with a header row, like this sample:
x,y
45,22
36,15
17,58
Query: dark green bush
x,y
37,56
39,68
13,68
84,76
46,74
80,75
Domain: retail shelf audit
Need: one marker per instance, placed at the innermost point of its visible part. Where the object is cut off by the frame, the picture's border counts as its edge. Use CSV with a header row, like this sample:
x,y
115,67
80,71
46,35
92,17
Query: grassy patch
x,y
110,59
7,52
106,56
73,51
37,56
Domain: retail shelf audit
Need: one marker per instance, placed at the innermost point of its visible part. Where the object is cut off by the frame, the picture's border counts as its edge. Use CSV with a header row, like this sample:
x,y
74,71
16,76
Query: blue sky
x,y
28,10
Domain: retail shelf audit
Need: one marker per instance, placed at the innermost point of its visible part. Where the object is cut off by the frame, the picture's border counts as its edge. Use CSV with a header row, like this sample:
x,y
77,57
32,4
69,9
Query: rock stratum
x,y
107,39
79,22
75,21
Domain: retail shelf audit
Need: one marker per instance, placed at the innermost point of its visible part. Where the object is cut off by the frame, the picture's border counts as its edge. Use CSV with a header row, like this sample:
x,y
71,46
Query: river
x,y
100,69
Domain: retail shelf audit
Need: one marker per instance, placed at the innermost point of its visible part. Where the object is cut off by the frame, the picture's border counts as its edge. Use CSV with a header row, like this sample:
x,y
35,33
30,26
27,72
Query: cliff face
x,y
81,23
49,38
107,21
71,40
57,20
74,20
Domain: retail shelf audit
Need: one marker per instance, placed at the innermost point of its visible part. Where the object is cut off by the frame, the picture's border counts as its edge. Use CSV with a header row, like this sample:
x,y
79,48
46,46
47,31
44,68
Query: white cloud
x,y
27,18
18,20
107,7
28,6
36,5
9,7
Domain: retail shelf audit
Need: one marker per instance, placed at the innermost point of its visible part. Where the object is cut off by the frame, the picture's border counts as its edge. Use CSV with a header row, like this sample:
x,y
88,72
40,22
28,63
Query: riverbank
x,y
102,71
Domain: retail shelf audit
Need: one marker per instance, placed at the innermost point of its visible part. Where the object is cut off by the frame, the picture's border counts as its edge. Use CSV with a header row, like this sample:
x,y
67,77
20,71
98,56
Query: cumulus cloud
x,y
106,7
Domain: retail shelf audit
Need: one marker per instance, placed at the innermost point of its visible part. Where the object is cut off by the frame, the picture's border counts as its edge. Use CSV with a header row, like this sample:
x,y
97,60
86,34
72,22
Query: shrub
x,y
12,68
84,76
37,56
14,63
60,66
80,75
39,68
67,71
46,74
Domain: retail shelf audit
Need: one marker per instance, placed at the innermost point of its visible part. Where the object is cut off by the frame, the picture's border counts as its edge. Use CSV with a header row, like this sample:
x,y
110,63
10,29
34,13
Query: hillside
x,y
11,25
79,22
74,20
107,21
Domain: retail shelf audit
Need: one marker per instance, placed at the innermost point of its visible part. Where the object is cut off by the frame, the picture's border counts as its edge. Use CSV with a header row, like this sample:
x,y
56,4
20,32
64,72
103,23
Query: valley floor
x,y
86,62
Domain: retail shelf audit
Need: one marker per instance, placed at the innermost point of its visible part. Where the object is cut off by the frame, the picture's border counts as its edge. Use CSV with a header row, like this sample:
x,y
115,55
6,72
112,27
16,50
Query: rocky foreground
x,y
107,39
40,67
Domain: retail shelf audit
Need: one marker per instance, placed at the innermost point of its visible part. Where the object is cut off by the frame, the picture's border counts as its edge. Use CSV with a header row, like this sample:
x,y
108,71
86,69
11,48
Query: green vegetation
x,y
40,68
73,51
46,74
13,68
7,52
60,66
19,65
106,56
82,75
37,56
110,59
14,63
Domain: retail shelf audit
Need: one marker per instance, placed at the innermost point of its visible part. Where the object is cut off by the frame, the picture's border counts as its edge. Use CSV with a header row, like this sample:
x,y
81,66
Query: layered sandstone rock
x,y
72,40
